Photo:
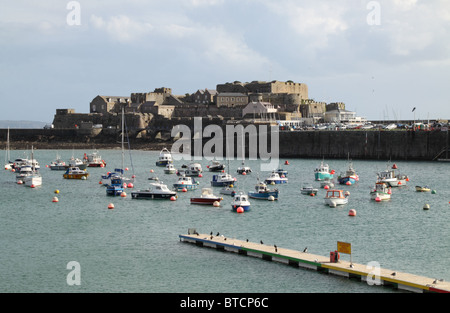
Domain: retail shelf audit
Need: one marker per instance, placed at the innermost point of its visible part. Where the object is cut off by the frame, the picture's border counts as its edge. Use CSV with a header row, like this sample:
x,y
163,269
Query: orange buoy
x,y
110,206
200,175
130,185
240,210
326,187
123,194
348,183
378,199
173,198
184,190
286,162
312,194
126,168
244,173
100,182
352,212
151,171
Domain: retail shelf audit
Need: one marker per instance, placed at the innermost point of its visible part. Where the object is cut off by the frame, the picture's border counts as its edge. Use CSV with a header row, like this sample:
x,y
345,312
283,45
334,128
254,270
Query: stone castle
x,y
236,101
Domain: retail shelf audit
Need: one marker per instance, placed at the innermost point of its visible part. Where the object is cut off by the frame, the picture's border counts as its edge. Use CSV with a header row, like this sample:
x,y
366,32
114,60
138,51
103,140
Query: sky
x,y
381,58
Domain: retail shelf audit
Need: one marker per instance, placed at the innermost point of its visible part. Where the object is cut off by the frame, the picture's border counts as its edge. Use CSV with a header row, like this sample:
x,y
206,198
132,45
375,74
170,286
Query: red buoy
x,y
240,210
352,212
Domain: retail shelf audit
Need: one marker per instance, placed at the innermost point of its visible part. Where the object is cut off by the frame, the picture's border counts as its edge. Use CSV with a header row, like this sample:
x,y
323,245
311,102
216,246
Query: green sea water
x,y
135,246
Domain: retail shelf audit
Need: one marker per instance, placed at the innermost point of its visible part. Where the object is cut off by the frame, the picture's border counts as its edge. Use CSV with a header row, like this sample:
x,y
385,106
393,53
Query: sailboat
x,y
116,185
8,163
34,179
243,170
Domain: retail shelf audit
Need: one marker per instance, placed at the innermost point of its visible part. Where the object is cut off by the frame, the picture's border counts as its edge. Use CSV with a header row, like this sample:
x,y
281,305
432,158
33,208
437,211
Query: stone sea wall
x,y
379,145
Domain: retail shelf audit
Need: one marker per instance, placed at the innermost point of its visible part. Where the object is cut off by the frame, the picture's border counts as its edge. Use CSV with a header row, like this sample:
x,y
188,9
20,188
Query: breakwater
x,y
358,144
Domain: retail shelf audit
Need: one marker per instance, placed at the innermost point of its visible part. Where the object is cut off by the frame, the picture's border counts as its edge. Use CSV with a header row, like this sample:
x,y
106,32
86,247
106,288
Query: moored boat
x,y
216,166
423,188
155,191
23,172
381,192
76,162
165,157
349,177
263,192
207,197
308,190
323,172
275,178
94,160
185,182
75,173
240,200
244,170
115,187
335,197
391,178
193,170
170,169
58,164
222,180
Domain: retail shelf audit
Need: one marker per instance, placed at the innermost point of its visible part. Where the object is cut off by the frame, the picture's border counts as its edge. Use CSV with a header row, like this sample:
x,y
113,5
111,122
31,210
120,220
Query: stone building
x,y
231,99
108,104
206,96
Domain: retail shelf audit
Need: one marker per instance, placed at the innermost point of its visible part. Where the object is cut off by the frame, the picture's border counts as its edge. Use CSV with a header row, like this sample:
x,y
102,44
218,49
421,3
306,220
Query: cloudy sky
x,y
381,58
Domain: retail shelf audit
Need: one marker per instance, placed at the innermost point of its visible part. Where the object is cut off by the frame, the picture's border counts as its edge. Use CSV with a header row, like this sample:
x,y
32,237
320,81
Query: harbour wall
x,y
358,144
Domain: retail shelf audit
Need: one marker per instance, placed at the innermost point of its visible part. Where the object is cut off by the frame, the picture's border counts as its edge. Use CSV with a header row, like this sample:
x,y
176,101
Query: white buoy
x,y
216,203
426,207
271,198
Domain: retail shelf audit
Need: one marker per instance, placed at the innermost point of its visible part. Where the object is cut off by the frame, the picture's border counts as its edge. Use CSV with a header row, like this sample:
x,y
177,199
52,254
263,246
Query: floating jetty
x,y
385,277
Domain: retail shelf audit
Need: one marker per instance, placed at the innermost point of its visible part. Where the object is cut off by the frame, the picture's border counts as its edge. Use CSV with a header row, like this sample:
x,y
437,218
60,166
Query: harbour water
x,y
135,246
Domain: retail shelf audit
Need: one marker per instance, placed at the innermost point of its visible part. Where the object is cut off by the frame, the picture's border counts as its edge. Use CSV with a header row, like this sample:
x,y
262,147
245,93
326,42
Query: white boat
x,y
308,190
170,169
207,197
275,178
193,169
34,179
58,164
244,170
381,192
326,183
185,182
155,191
228,191
94,160
391,179
76,162
335,197
22,172
165,157
216,166
222,180
240,200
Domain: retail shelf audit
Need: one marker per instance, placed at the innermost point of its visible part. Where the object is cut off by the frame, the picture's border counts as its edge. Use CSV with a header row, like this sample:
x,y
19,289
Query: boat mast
x,y
122,142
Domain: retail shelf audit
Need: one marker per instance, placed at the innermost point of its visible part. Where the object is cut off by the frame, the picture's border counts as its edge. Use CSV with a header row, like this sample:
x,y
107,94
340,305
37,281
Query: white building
x,y
339,116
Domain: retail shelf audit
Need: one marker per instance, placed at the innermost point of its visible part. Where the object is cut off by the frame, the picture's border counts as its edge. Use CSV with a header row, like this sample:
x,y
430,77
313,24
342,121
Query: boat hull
x,y
380,195
275,181
75,176
234,207
163,163
205,201
345,180
333,202
322,176
180,187
152,196
114,190
263,195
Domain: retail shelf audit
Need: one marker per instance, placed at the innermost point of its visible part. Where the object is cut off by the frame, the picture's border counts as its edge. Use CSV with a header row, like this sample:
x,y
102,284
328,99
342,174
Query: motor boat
x,y
222,179
335,197
207,197
275,178
185,182
263,192
381,192
155,191
216,166
165,157
240,200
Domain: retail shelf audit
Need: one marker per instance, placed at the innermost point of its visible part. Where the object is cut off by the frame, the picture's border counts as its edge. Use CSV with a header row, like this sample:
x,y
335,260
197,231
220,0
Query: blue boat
x,y
262,192
222,180
185,182
106,178
323,172
275,178
282,172
349,177
240,200
115,188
